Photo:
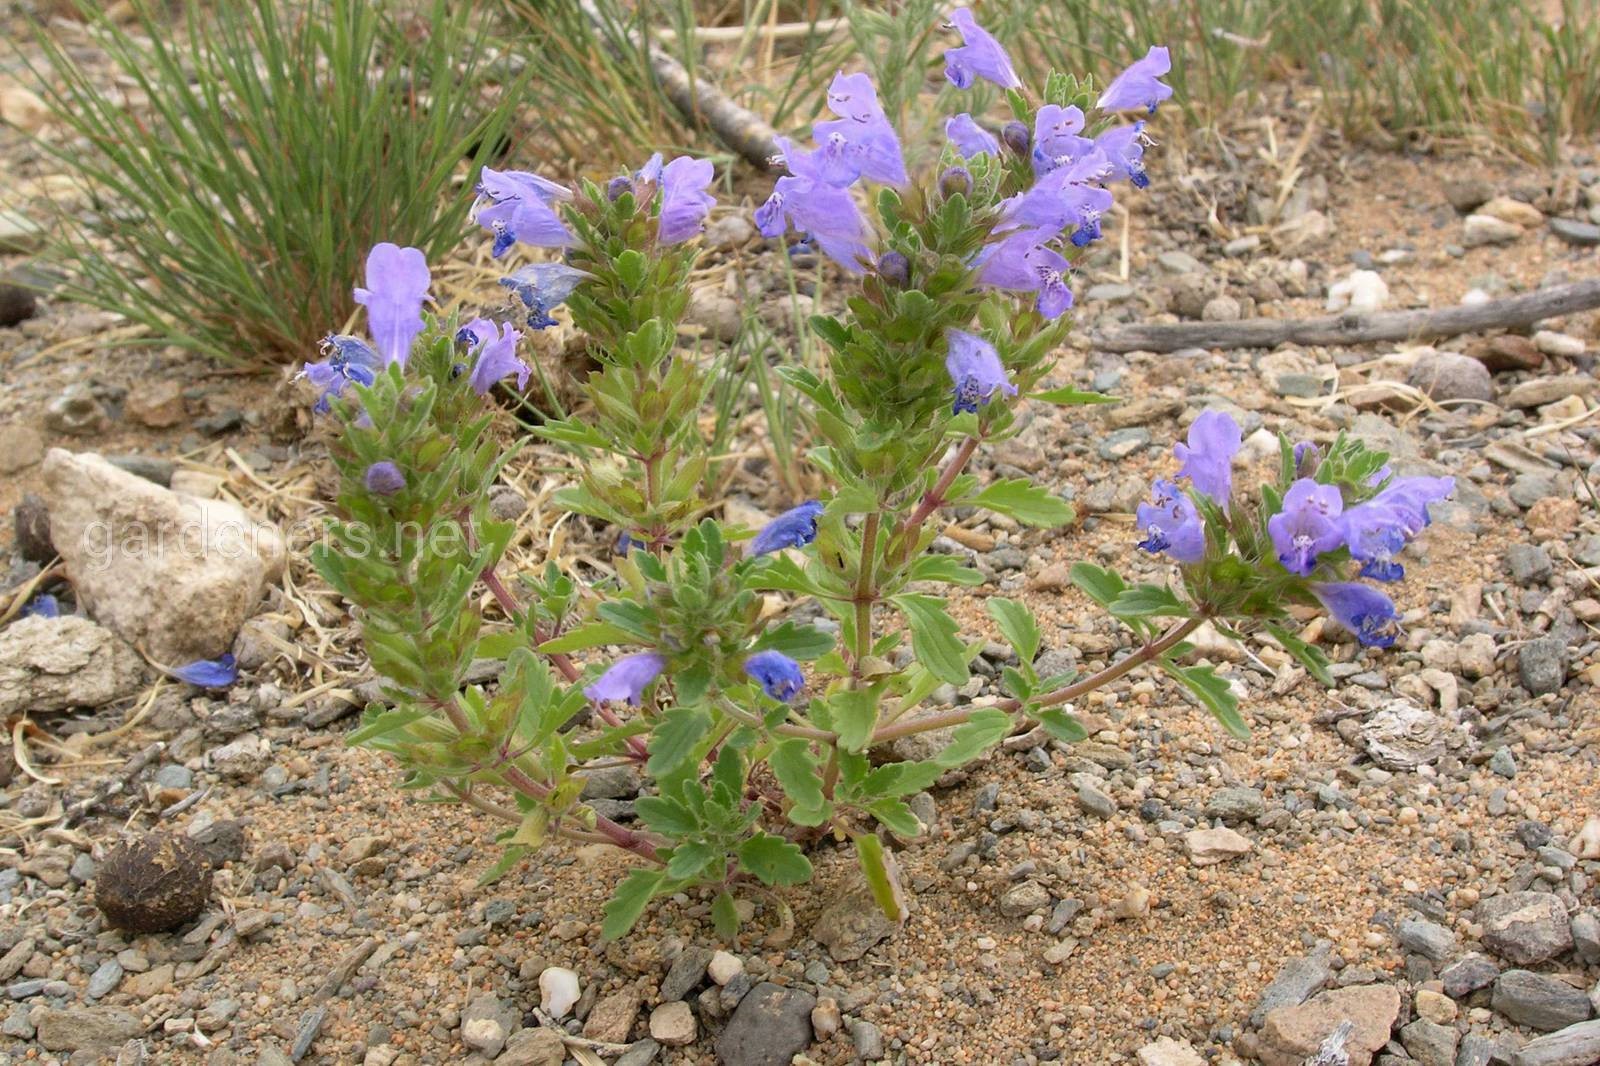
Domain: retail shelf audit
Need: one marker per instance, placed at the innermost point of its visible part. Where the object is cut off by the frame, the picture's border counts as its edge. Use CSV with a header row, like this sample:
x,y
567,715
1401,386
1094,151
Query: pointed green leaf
x,y
1062,725
725,915
1016,624
1213,693
972,738
897,817
688,859
882,877
934,637
630,900
1071,397
678,732
796,770
593,635
1028,503
666,816
855,715
1309,655
774,860
1143,601
1100,585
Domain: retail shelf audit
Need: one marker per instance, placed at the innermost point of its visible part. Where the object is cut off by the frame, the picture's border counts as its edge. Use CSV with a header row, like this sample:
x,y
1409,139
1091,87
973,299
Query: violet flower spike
x,y
969,138
346,359
1067,196
208,673
383,478
980,56
1375,534
496,348
626,679
542,287
684,200
1207,458
1171,524
853,96
1055,138
824,213
1306,459
861,143
1139,86
1361,609
522,208
777,674
1410,497
794,528
397,287
976,370
1307,526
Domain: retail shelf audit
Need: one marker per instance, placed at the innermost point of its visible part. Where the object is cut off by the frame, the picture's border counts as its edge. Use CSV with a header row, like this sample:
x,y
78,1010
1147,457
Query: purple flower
x,y
1171,524
980,55
1307,526
1055,137
1214,439
522,208
969,138
208,673
976,369
860,143
820,210
542,287
1139,85
397,287
1375,534
384,478
778,674
1023,262
1409,498
1123,146
627,678
895,269
684,200
793,528
1363,610
345,359
1015,136
496,345
650,173
43,605
1064,197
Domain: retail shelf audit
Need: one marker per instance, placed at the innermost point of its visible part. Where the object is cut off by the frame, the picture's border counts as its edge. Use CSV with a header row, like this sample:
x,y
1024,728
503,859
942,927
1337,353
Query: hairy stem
x,y
866,593
611,831
906,535
1153,650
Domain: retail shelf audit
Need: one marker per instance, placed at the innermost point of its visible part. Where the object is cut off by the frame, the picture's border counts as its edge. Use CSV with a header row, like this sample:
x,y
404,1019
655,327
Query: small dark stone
x,y
154,883
32,520
771,1026
1582,234
17,303
221,842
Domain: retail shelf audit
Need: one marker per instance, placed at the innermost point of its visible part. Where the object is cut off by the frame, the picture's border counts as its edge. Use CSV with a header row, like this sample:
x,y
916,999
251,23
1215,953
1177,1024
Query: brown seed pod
x,y
154,883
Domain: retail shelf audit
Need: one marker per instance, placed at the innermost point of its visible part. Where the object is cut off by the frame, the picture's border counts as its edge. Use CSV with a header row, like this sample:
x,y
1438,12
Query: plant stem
x,y
614,833
865,595
1150,651
906,535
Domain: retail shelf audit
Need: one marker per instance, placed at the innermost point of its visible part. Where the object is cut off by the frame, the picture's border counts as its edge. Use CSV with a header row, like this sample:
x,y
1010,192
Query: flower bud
x,y
895,269
1306,458
617,186
384,478
956,180
1016,137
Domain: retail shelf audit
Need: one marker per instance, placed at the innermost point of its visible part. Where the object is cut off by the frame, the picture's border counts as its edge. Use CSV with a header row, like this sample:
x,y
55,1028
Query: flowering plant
x,y
756,733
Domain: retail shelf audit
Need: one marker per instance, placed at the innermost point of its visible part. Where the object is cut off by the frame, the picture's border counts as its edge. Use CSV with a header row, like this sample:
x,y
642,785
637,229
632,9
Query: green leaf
x,y
1143,601
934,637
1308,655
882,877
855,715
796,769
688,859
1028,503
797,642
1100,585
774,860
678,733
593,635
972,738
725,915
1214,695
900,778
630,900
1016,624
1062,725
1071,397
382,724
897,816
944,568
666,816
500,645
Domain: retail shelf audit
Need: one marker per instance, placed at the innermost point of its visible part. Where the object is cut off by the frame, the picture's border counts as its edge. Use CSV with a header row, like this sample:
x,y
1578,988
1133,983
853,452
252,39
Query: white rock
x,y
48,664
1260,445
1586,845
241,758
724,967
558,991
1479,230
1403,736
1550,342
171,573
1363,291
1475,298
1513,211
1207,847
23,108
1169,1052
673,1024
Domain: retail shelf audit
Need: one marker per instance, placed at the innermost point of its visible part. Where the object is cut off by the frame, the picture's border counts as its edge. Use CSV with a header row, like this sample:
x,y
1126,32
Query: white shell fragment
x,y
558,991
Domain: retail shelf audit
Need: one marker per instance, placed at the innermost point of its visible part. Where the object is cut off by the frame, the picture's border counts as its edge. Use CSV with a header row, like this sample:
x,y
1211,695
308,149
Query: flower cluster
x,y
1314,524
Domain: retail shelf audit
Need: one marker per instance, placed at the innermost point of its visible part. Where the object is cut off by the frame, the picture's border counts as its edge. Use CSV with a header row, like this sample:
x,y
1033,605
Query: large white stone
x,y
170,573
